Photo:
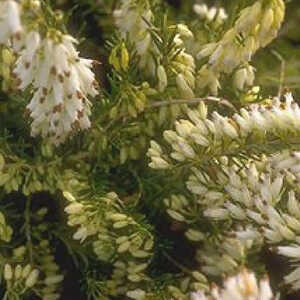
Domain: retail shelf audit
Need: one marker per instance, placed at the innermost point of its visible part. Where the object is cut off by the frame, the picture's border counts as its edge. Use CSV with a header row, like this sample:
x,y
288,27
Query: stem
x,y
192,101
282,71
174,102
177,264
28,229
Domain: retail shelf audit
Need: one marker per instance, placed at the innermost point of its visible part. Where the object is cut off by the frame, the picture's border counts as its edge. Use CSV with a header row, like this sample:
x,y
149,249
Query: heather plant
x,y
149,150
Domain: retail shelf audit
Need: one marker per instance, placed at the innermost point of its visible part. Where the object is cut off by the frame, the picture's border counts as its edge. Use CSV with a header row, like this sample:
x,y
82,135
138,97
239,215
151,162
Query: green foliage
x,y
183,88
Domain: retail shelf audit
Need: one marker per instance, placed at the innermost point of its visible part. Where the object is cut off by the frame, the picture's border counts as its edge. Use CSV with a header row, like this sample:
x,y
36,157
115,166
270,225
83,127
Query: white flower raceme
x,y
78,215
280,119
132,20
210,14
243,286
257,26
61,80
10,23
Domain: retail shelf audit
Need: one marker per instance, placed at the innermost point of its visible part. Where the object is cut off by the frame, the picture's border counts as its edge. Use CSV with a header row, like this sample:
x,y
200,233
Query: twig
x,y
28,229
174,102
282,71
192,101
178,265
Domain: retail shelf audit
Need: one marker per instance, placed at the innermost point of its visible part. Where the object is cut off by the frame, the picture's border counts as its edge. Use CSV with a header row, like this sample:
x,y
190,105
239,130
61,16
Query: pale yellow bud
x,y
8,272
198,276
74,208
124,57
52,296
158,163
50,280
239,78
117,217
184,31
80,234
124,247
120,224
185,91
18,272
69,196
26,271
162,78
137,294
175,215
32,278
207,50
194,235
201,10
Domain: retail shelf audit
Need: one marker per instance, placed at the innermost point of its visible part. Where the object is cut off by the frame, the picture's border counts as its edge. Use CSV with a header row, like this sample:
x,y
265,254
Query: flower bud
x,y
185,91
201,10
184,31
74,208
80,234
32,278
8,272
52,296
124,57
69,196
124,247
18,272
162,78
158,163
239,78
26,271
50,280
137,294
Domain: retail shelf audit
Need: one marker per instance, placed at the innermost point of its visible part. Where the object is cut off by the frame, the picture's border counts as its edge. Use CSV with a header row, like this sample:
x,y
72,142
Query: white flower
x,y
10,23
244,76
292,251
201,10
132,21
81,234
226,55
243,286
62,81
184,31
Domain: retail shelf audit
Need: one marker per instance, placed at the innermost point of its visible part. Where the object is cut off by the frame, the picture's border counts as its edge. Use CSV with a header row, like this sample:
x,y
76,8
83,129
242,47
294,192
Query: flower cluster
x,y
133,19
259,195
50,286
240,287
43,276
60,78
184,65
224,257
256,27
202,137
212,14
19,278
113,233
